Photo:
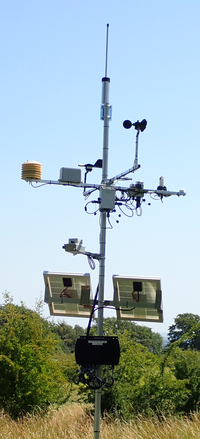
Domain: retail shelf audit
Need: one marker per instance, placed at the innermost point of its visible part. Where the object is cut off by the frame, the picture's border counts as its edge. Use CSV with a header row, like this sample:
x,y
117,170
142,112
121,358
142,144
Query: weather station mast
x,y
70,295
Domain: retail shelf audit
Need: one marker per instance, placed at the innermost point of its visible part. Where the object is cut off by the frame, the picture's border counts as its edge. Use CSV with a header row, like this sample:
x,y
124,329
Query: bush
x,y
30,374
143,385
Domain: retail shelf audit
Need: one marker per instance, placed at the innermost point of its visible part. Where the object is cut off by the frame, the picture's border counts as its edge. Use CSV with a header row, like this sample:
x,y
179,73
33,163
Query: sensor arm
x,y
130,191
123,174
136,149
163,193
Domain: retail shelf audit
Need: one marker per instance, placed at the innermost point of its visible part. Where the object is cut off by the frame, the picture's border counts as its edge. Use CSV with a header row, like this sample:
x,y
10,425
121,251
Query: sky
x,y
52,63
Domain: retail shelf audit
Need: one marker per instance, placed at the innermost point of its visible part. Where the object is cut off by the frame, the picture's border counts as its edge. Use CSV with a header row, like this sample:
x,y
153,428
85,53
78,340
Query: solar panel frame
x,y
66,301
149,306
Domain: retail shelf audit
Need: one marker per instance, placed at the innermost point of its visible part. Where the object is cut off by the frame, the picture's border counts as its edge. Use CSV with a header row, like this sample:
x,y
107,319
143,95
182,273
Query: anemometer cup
x,y
127,124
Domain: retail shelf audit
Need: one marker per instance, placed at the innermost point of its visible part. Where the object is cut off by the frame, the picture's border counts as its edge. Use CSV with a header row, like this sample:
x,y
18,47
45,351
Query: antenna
x,y
106,62
106,114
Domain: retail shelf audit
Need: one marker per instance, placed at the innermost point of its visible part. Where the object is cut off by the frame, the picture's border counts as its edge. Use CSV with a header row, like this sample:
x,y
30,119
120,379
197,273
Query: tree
x,y
68,335
186,366
30,376
186,324
139,334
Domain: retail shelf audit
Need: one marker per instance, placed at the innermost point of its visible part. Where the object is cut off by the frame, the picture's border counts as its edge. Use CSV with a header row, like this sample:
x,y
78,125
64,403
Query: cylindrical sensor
x,y
31,170
162,181
105,90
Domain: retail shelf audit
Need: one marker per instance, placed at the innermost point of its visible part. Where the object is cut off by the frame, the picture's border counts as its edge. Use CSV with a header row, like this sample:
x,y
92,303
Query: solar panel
x,y
68,294
138,298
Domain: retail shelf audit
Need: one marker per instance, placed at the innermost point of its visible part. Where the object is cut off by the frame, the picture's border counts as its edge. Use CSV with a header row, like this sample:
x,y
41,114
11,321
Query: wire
x,y
91,213
108,217
63,294
91,262
50,182
125,309
130,202
86,195
107,307
36,187
123,198
92,312
155,197
137,299
129,205
113,307
129,216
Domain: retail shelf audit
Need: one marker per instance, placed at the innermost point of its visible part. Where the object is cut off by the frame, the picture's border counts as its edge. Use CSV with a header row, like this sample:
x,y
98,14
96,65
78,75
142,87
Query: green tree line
x,y
37,365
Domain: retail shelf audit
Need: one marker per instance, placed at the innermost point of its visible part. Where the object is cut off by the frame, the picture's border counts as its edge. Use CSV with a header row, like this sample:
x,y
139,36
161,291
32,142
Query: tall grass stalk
x,y
73,422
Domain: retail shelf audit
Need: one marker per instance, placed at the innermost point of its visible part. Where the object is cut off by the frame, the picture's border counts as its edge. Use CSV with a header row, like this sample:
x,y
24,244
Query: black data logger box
x,y
97,350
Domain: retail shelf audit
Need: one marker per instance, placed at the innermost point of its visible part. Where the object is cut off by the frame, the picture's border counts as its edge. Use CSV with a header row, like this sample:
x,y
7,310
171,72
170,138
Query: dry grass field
x,y
72,422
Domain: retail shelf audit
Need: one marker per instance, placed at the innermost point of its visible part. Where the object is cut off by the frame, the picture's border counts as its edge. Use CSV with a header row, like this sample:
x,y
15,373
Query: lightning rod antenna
x,y
106,63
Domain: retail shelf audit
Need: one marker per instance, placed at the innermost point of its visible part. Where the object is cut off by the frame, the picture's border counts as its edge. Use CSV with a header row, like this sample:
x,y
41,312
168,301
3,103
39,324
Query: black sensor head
x,y
127,124
139,126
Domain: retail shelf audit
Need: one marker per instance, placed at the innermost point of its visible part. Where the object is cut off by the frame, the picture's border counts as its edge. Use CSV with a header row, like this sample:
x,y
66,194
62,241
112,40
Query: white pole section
x,y
105,116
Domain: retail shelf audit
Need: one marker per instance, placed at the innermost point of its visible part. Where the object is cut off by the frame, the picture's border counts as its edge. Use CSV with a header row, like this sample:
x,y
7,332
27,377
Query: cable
x,y
92,312
88,193
63,294
125,309
91,263
36,187
156,197
123,198
112,307
129,205
137,299
129,216
91,213
101,307
130,201
108,217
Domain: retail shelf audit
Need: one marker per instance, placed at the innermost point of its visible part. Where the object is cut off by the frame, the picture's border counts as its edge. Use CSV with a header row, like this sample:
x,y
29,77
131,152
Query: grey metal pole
x,y
102,243
102,238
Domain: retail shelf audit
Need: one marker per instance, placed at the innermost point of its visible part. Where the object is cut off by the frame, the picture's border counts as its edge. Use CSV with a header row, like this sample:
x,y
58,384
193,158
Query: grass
x,y
73,422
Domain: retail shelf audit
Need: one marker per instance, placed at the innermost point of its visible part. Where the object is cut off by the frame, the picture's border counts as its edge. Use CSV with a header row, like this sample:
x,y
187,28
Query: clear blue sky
x,y
52,62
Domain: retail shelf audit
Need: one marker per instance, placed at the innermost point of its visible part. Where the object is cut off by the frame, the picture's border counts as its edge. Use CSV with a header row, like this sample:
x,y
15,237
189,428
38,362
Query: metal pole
x,y
102,238
102,243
